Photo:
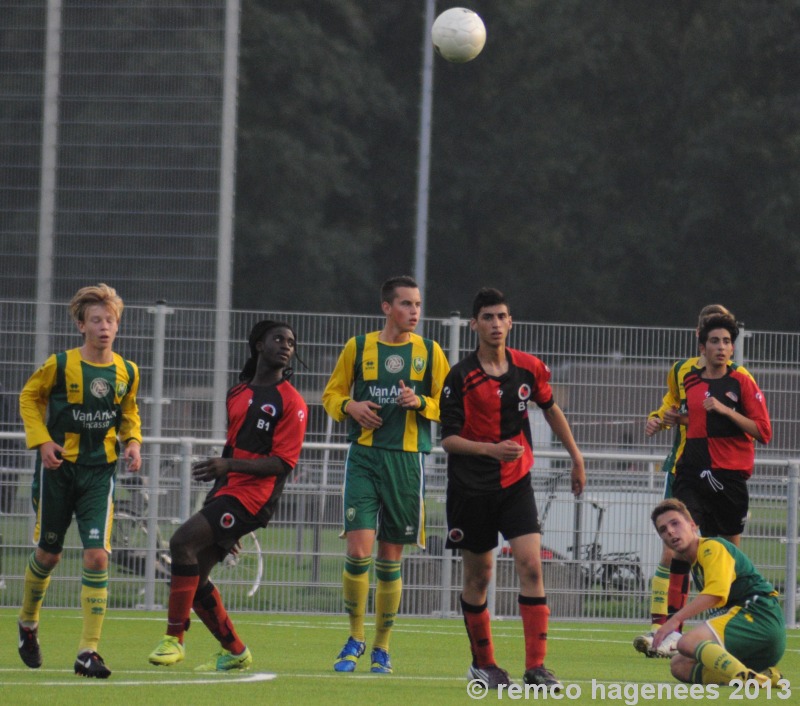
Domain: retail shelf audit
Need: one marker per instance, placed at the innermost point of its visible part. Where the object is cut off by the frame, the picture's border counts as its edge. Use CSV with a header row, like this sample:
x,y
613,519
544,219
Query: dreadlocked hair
x,y
257,333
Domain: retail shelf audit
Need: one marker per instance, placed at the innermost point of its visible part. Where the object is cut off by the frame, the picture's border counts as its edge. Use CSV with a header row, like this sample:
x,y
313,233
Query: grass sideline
x,y
430,657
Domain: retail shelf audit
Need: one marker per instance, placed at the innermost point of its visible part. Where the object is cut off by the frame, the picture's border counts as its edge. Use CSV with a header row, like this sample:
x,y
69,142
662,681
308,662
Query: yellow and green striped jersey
x,y
82,406
724,571
369,369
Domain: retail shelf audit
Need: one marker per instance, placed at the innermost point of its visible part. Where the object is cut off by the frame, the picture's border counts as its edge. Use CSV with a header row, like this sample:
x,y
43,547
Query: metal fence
x,y
113,144
600,551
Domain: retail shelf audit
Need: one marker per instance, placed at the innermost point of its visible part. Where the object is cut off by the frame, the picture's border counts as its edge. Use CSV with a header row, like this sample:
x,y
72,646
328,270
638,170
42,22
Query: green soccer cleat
x,y
225,661
169,651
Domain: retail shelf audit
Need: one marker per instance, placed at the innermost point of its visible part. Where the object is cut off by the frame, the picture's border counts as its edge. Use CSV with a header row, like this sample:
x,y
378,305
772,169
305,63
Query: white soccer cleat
x,y
667,649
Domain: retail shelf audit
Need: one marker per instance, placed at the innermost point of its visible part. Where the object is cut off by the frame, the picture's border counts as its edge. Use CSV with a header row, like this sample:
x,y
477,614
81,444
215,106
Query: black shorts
x,y
717,500
229,520
473,521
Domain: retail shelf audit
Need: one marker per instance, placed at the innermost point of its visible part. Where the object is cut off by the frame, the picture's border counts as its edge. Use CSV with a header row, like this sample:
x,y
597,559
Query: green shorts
x,y
754,633
384,491
86,491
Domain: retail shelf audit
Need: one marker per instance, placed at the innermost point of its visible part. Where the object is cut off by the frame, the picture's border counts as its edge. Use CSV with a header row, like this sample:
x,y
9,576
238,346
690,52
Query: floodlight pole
x,y
47,188
424,161
222,333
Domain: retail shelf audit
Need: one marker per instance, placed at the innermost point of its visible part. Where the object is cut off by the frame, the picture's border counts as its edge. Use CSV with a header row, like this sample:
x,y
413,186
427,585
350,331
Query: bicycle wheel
x,y
244,567
623,577
130,544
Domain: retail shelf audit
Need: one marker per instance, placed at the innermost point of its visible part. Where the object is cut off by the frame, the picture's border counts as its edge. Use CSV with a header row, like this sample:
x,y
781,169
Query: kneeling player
x,y
746,634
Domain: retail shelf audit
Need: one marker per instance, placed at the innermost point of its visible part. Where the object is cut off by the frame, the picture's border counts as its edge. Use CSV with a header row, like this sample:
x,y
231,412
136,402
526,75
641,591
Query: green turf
x,y
430,657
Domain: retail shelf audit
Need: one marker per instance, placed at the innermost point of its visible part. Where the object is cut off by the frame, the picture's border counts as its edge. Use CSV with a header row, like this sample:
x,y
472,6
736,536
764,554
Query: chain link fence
x,y
600,552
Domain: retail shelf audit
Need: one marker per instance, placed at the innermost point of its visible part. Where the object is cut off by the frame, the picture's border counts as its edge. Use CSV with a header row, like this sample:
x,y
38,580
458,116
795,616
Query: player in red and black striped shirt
x,y
726,414
267,421
486,433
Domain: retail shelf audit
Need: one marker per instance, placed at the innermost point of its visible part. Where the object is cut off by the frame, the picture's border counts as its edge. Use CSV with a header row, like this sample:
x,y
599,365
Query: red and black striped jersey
x,y
714,441
262,421
479,407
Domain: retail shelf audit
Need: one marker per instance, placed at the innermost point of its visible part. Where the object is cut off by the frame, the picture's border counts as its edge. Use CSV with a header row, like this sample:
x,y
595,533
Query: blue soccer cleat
x,y
380,661
348,657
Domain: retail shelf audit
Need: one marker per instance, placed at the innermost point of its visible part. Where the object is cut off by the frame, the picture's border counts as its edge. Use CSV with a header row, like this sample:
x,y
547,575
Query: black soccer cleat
x,y
29,649
542,676
91,664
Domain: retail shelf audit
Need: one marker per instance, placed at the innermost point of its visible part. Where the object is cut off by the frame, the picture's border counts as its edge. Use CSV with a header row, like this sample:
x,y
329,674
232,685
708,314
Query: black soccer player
x,y
267,421
486,433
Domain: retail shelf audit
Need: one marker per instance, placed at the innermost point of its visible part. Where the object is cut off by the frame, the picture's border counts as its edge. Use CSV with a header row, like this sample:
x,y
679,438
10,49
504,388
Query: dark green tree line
x,y
617,162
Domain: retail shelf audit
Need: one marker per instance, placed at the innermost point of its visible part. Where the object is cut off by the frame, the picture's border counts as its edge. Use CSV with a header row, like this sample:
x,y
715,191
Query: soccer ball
x,y
458,35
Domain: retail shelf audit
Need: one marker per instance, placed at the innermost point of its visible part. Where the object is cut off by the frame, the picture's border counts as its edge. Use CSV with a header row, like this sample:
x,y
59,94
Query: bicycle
x,y
244,565
130,535
619,571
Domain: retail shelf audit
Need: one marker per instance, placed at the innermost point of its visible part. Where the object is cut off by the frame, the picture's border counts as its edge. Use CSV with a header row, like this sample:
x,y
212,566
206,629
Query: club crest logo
x,y
418,364
524,391
351,514
227,521
394,363
122,389
455,535
269,409
99,387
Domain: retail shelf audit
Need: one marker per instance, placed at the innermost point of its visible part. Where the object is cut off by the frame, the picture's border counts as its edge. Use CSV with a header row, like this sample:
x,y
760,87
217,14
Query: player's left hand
x,y
578,475
712,404
210,469
407,399
133,457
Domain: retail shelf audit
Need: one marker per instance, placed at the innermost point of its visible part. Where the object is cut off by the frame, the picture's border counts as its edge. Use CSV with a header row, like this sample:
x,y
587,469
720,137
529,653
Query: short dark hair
x,y
725,321
487,296
389,287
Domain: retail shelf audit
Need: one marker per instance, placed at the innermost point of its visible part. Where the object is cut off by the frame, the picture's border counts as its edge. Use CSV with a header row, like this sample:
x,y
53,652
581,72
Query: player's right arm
x,y
337,399
337,392
33,402
660,418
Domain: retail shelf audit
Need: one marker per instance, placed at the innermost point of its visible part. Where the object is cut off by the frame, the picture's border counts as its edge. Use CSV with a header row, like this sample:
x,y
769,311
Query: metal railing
x,y
600,550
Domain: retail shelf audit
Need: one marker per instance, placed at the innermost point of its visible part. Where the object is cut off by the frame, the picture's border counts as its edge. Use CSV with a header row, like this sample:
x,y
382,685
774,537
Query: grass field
x,y
293,664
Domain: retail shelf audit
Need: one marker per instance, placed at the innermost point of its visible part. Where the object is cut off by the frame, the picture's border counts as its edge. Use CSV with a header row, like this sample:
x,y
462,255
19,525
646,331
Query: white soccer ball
x,y
458,34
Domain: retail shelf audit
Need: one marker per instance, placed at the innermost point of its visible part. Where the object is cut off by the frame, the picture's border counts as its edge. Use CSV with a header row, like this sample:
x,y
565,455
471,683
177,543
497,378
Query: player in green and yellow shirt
x,y
744,636
76,408
387,385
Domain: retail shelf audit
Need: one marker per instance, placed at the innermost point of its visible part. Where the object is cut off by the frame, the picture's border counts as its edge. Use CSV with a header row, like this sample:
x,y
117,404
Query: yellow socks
x,y
658,595
37,579
388,592
355,585
94,597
